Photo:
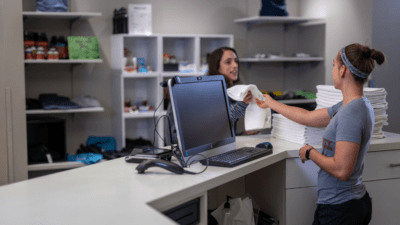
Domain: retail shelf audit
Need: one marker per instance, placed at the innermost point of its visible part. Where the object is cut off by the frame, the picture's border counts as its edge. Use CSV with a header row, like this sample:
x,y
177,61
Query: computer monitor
x,y
202,116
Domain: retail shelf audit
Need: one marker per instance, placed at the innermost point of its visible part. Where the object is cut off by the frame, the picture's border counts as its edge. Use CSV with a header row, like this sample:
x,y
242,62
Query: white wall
x,y
347,22
385,37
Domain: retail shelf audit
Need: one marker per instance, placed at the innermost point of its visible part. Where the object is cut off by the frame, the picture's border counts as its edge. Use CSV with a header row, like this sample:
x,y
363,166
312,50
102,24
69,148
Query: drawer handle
x,y
393,165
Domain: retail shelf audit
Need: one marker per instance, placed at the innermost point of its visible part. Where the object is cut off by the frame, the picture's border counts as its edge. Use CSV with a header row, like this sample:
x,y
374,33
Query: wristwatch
x,y
308,152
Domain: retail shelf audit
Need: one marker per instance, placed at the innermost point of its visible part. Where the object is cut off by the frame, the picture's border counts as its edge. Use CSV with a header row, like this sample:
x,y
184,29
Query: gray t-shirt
x,y
355,123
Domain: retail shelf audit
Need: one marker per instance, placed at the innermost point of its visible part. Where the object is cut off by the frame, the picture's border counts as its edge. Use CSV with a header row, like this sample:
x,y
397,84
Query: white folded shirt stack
x,y
328,96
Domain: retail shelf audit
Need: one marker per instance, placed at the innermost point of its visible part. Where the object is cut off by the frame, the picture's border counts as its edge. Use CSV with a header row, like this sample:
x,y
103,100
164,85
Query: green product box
x,y
308,95
83,48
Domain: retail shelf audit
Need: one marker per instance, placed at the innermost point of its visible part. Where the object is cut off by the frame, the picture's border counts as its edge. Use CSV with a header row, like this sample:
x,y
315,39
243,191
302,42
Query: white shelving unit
x,y
287,21
139,75
61,15
71,17
63,61
299,38
297,101
146,86
172,74
282,59
81,110
140,115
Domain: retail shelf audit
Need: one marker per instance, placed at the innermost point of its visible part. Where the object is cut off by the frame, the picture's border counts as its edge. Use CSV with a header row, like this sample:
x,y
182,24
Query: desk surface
x,y
113,192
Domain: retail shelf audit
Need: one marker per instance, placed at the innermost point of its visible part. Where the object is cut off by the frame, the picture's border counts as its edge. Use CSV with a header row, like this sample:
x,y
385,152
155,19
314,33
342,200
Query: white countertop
x,y
113,192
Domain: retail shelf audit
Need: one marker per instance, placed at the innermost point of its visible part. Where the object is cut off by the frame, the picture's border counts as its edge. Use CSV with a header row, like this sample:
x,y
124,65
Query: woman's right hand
x,y
248,98
264,104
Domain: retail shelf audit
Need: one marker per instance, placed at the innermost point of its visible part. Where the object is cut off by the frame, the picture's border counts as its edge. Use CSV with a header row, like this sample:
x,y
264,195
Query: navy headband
x,y
352,69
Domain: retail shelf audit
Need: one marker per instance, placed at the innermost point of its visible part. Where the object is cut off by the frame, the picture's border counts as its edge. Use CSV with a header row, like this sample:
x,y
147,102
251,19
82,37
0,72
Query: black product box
x,y
46,135
171,67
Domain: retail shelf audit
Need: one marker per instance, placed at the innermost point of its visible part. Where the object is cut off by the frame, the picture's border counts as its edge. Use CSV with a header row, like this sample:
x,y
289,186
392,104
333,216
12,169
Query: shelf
x,y
177,73
81,110
55,166
60,15
192,48
297,101
140,75
63,61
140,115
282,59
289,20
135,35
67,17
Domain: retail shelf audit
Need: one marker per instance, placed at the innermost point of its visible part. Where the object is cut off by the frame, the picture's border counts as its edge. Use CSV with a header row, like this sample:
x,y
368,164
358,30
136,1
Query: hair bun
x,y
366,52
378,56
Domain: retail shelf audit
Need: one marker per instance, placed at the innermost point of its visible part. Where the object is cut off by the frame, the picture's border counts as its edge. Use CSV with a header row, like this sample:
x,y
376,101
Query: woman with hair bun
x,y
342,196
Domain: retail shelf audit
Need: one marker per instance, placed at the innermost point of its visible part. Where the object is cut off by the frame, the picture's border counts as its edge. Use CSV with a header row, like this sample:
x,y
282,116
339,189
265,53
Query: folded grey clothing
x,y
53,101
86,101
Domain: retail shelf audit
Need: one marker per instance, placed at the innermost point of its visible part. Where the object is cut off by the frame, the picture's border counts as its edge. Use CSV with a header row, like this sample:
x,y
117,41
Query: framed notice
x,y
83,48
140,19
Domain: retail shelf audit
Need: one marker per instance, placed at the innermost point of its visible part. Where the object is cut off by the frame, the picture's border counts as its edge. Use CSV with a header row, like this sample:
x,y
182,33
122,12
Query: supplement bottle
x,y
28,53
40,55
62,48
28,40
43,42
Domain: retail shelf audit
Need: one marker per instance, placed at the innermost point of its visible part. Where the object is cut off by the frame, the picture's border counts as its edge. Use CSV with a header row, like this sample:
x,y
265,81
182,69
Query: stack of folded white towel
x,y
283,128
328,96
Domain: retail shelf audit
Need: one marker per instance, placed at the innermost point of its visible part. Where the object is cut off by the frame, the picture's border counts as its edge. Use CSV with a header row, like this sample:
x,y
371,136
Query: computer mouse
x,y
170,166
264,145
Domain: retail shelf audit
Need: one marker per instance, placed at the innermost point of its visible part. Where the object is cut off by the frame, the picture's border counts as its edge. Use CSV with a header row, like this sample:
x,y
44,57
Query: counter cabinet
x,y
287,190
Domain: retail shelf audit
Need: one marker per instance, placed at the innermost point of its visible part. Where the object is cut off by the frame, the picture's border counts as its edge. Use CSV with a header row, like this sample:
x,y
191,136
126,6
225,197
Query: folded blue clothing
x,y
57,102
87,158
106,143
273,8
52,5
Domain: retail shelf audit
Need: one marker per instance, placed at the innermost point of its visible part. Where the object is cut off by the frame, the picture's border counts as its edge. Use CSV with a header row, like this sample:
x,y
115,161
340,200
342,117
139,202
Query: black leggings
x,y
354,212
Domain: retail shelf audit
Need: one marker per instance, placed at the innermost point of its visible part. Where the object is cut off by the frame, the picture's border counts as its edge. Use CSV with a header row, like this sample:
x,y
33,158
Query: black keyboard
x,y
237,157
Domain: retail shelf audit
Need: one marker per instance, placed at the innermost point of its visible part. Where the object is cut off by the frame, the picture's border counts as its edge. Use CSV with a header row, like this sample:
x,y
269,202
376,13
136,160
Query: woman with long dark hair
x,y
224,61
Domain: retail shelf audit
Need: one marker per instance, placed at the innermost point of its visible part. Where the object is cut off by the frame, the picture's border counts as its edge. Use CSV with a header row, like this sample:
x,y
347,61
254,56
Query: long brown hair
x,y
214,61
363,58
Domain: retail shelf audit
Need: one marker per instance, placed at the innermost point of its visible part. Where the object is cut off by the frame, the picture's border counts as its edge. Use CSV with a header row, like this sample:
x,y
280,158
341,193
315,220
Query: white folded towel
x,y
367,90
255,118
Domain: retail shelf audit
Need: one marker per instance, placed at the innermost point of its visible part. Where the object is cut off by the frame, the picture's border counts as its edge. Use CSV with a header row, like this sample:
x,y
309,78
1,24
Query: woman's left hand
x,y
302,152
248,97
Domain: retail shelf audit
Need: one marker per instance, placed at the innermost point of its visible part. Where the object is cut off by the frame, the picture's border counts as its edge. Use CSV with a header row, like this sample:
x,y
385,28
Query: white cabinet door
x,y
377,165
300,205
300,174
385,196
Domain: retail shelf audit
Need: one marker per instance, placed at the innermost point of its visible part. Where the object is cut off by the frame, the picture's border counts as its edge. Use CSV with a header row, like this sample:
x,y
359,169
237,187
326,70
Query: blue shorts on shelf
x,y
87,158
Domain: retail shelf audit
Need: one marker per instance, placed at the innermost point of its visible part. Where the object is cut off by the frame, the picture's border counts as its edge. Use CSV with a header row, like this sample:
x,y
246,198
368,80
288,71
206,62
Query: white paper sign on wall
x,y
140,19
